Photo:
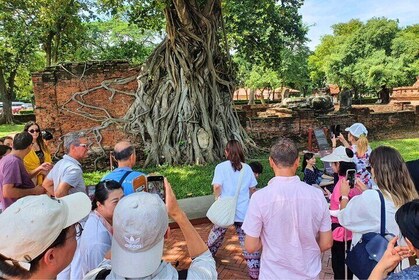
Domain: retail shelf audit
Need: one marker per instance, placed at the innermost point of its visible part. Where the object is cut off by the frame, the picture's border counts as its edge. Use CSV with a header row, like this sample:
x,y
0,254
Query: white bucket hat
x,y
338,154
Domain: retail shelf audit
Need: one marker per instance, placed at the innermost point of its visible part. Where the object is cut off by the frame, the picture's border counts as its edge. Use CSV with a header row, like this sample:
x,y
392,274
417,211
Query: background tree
x,y
365,57
18,43
183,107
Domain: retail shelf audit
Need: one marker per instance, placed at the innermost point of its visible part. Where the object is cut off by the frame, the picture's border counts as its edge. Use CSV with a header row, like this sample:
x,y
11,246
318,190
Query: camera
x,y
46,135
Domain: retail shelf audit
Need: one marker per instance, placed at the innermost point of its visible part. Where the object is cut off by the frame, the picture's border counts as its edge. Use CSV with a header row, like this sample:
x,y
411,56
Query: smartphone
x,y
155,184
139,183
350,176
337,130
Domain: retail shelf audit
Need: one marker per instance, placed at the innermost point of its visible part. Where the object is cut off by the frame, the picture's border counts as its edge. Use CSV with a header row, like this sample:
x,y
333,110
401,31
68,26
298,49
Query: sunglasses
x,y
33,131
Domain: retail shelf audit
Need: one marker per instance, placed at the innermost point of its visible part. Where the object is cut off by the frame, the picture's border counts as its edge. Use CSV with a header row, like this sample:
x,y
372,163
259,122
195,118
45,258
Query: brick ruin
x,y
63,105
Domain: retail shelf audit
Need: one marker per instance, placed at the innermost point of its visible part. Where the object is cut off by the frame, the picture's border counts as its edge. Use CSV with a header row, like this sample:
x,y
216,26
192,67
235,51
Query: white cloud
x,y
320,15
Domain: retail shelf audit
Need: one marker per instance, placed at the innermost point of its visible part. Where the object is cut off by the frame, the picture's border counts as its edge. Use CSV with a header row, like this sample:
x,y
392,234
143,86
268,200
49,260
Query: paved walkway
x,y
230,262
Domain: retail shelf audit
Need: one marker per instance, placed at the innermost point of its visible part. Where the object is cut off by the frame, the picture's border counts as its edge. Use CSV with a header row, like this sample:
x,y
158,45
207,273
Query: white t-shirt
x,y
95,242
287,216
225,176
362,214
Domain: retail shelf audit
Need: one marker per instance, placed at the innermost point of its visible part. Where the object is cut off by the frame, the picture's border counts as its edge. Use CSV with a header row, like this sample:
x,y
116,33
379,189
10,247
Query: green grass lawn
x,y
8,129
190,181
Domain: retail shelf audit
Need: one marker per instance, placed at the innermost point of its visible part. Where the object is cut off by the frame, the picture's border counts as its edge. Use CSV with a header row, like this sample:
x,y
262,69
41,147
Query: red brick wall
x,y
55,86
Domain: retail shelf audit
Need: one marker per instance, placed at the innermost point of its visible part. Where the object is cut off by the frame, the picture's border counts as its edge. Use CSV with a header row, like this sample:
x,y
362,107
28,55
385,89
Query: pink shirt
x,y
288,215
340,233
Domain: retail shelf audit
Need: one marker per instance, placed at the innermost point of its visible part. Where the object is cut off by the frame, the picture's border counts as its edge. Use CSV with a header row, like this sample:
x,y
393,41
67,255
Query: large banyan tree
x,y
183,106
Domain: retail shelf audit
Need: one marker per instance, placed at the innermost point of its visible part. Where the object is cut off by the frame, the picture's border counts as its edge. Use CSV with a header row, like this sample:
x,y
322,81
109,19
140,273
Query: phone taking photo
x,y
350,176
155,184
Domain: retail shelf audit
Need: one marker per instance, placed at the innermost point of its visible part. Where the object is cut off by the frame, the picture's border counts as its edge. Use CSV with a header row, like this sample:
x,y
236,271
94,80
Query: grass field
x,y
8,129
190,181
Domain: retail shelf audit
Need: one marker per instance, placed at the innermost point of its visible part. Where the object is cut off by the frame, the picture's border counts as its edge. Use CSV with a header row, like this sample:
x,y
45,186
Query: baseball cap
x,y
357,129
32,223
139,224
338,154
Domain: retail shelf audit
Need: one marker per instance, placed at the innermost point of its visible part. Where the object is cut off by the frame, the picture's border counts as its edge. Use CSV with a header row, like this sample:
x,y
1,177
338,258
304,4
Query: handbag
x,y
365,255
223,210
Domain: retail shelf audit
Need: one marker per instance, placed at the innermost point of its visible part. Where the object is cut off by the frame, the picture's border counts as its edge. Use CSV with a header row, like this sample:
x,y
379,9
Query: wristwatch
x,y
343,197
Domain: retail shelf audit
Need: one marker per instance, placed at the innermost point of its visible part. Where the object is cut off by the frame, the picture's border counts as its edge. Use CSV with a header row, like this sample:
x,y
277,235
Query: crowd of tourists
x,y
50,228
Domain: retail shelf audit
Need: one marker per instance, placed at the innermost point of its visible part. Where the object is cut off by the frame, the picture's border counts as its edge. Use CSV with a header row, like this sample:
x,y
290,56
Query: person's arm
x,y
44,167
252,190
9,191
344,141
252,244
62,189
196,246
325,240
48,185
216,190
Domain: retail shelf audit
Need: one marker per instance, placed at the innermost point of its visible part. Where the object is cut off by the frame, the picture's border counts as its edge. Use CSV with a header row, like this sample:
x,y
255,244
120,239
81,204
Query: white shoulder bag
x,y
223,210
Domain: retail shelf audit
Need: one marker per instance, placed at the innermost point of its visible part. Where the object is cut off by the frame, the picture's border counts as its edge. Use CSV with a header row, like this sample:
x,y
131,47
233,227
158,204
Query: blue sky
x,y
320,15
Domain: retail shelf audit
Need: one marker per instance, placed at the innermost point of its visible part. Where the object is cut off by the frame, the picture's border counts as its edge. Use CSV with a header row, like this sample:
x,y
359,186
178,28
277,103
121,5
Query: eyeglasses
x,y
33,131
83,145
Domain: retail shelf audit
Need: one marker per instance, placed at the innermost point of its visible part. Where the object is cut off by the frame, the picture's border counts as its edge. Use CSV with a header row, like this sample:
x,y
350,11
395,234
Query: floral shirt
x,y
362,165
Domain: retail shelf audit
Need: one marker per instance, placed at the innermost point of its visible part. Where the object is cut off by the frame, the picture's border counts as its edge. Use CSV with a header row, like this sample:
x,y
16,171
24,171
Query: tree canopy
x,y
367,56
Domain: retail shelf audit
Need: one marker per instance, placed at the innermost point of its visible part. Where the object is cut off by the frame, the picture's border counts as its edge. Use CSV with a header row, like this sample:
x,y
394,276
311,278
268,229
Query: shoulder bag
x,y
223,210
365,255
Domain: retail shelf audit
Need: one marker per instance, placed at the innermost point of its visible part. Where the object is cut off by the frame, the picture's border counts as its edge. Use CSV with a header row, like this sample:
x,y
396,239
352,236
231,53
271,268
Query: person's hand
x,y
39,190
334,141
345,188
172,206
360,185
46,166
392,256
341,138
327,192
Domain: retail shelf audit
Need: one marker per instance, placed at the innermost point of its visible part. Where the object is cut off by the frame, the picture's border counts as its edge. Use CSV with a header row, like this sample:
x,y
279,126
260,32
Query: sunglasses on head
x,y
33,130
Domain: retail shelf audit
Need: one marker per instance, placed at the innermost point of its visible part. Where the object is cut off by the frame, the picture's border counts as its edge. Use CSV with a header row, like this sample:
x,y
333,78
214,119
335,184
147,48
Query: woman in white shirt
x,y
225,182
96,238
362,213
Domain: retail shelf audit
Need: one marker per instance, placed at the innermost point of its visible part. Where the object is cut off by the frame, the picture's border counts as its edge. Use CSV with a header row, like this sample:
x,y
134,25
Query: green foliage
x,y
366,56
116,39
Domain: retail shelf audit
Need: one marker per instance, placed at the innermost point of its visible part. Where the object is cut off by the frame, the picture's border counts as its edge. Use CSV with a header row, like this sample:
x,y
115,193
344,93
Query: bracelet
x,y
343,197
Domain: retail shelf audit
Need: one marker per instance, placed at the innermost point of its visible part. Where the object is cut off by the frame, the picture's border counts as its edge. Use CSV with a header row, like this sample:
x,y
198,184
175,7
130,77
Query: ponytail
x,y
362,145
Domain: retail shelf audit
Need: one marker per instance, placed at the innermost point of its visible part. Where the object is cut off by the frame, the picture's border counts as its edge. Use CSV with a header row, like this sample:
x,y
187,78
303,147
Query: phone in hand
x,y
350,176
139,183
334,130
155,184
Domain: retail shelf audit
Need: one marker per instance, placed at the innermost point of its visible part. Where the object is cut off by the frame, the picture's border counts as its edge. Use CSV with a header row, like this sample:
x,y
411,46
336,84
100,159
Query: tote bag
x,y
223,210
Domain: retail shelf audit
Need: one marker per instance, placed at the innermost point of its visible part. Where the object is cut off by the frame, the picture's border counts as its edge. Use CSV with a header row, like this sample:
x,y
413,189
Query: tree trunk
x,y
48,49
6,97
183,106
262,98
251,97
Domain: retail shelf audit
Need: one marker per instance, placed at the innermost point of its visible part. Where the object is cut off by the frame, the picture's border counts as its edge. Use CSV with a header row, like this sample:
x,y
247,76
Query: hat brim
x,y
136,264
330,158
78,207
